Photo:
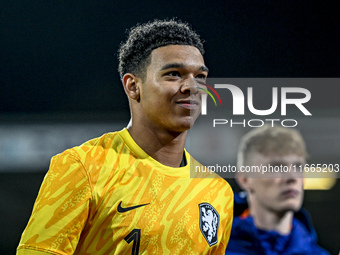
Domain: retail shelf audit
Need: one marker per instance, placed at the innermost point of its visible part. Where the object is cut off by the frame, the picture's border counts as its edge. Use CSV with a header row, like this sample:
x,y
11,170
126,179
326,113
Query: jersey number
x,y
134,236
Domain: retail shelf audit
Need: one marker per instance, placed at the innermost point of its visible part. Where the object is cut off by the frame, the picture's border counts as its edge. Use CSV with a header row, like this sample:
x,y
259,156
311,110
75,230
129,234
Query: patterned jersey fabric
x,y
108,196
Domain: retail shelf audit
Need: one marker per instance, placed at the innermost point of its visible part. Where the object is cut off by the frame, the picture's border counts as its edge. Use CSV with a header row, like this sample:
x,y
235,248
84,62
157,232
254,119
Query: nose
x,y
291,177
190,85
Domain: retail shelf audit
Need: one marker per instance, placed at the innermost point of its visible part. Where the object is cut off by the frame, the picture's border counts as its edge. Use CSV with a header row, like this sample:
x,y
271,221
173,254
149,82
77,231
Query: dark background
x,y
58,64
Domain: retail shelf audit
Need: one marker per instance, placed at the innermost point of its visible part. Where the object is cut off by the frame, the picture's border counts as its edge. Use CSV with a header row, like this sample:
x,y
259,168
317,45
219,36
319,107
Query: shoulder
x,y
92,148
210,181
103,143
243,238
199,170
87,155
304,236
243,228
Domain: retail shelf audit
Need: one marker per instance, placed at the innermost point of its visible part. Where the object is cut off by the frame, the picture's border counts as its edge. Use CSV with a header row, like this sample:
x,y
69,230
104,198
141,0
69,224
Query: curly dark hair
x,y
134,54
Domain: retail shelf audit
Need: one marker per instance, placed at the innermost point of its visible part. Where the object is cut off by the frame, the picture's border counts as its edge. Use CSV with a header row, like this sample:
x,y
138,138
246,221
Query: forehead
x,y
184,54
258,159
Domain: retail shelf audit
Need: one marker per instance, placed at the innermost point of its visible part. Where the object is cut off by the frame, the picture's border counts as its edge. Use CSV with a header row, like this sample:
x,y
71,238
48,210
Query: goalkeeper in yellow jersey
x,y
130,192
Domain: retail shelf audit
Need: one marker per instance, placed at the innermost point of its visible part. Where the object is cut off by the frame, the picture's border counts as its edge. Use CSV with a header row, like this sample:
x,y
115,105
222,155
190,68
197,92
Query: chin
x,y
179,128
186,123
291,207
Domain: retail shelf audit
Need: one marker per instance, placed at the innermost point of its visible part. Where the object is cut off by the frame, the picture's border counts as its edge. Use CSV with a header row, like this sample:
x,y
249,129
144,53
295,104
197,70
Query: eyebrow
x,y
181,65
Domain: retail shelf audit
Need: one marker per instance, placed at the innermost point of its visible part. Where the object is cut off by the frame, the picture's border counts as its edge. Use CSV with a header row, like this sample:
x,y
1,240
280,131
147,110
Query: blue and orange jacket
x,y
246,239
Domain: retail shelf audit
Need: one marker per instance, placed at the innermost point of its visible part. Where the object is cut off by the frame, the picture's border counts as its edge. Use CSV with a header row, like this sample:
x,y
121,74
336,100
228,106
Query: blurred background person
x,y
272,220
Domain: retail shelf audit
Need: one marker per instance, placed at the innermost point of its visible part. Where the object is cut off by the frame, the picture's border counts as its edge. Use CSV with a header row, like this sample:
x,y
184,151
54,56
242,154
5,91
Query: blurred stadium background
x,y
60,87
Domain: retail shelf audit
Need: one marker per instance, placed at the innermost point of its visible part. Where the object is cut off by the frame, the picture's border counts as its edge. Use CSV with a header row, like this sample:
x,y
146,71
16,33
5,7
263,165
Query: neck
x,y
269,220
164,146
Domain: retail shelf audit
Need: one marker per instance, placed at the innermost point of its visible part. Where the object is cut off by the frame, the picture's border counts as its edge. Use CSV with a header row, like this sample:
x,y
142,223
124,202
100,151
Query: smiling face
x,y
280,194
168,98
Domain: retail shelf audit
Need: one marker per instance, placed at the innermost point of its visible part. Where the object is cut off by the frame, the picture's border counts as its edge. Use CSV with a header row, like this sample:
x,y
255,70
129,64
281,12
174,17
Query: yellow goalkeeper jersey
x,y
108,196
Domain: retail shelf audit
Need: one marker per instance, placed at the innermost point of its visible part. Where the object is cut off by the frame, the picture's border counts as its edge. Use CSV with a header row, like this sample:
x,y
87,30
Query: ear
x,y
243,181
131,86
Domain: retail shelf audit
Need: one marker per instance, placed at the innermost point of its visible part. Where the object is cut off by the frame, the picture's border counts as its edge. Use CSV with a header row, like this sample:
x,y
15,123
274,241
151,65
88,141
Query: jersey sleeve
x,y
60,211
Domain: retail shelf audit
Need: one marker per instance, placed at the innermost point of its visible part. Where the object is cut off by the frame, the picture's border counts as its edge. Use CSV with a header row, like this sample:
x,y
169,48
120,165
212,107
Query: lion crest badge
x,y
209,222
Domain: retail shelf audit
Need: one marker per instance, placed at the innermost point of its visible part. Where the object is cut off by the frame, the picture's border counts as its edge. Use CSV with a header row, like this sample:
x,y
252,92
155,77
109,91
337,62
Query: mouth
x,y
188,104
290,193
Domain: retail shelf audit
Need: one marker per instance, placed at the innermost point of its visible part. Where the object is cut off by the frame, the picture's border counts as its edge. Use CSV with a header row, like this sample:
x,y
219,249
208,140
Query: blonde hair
x,y
269,140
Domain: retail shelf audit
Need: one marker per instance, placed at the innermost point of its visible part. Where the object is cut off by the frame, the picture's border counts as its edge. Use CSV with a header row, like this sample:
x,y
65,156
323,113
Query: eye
x,y
201,79
201,76
173,74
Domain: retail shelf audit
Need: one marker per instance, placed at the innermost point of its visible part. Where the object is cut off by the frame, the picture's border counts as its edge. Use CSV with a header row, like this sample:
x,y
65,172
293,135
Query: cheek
x,y
160,94
265,188
150,96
